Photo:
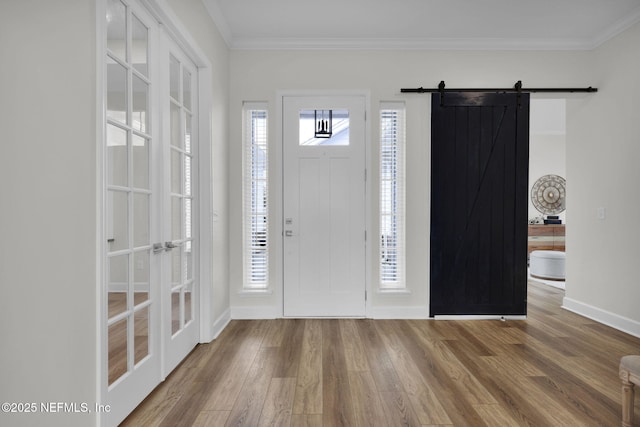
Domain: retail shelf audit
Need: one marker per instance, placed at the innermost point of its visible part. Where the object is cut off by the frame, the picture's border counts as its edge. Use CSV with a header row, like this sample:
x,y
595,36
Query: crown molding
x,y
408,44
221,22
618,27
472,44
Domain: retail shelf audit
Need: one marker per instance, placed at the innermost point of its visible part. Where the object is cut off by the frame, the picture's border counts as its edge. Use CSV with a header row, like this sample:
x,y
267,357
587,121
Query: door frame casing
x,y
276,205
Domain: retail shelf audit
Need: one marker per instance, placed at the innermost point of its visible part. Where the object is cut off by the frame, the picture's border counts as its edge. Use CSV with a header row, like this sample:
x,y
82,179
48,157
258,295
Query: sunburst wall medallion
x,y
548,194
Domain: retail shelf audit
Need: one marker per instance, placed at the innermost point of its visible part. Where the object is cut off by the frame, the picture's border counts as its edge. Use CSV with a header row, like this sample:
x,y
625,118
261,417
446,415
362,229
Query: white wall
x,y
48,210
259,75
603,151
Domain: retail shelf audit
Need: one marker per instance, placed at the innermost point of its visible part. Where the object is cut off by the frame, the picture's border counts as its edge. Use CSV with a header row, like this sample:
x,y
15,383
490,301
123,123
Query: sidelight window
x,y
255,197
392,196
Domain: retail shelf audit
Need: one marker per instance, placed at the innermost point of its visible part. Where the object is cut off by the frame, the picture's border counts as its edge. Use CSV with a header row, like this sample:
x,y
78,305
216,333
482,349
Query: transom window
x,y
311,121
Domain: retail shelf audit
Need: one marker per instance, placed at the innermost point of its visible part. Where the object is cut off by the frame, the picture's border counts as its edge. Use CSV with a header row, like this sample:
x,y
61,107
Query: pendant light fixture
x,y
323,120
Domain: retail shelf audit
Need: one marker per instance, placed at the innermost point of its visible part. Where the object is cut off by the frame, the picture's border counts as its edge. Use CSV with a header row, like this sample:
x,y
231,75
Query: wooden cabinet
x,y
548,237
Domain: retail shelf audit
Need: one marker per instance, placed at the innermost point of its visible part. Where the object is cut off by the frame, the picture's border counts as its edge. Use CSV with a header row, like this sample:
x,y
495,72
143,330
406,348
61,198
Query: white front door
x,y
324,206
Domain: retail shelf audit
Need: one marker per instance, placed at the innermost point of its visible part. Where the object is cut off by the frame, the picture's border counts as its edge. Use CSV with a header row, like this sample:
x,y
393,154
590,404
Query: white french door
x,y
149,295
130,293
181,313
324,206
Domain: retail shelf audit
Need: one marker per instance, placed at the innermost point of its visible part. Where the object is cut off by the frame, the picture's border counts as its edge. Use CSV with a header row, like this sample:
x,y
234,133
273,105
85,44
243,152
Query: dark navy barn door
x,y
479,186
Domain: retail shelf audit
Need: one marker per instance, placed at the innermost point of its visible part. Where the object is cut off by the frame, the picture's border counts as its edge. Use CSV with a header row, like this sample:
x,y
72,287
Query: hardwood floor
x,y
554,369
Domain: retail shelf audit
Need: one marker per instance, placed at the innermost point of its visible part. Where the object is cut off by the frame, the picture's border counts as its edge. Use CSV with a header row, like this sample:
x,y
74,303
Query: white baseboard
x,y
221,322
412,312
254,313
608,318
267,312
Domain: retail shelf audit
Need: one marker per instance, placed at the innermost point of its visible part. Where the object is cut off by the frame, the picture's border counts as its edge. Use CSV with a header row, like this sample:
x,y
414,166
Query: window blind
x,y
255,197
392,196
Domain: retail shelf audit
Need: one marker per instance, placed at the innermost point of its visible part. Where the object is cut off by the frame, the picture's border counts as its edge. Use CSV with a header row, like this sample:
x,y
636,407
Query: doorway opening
x,y
547,169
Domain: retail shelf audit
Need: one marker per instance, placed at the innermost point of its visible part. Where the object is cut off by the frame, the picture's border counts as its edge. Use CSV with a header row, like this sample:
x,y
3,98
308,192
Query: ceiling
x,y
421,24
